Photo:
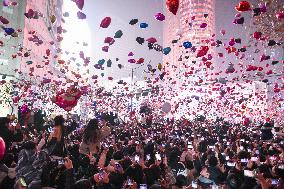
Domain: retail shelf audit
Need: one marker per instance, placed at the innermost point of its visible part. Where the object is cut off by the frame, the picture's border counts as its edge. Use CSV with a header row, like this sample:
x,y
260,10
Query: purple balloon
x,y
131,60
5,3
105,48
159,16
81,15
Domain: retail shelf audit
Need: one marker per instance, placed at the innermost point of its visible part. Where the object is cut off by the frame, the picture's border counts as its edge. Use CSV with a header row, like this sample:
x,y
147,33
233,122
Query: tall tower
x,y
40,36
186,26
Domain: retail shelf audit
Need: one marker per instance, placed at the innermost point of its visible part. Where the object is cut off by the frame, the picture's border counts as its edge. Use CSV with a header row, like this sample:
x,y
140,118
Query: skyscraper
x,y
42,37
186,26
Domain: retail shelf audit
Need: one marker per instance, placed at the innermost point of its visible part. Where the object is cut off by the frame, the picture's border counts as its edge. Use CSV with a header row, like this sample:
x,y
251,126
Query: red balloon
x,y
202,51
105,22
243,6
172,6
2,148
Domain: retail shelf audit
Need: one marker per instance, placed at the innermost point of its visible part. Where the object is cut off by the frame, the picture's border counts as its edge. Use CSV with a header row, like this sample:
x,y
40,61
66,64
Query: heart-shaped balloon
x,y
172,6
2,148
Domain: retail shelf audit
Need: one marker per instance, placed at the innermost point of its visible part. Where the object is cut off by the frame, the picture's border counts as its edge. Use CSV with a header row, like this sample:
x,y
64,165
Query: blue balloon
x,y
167,50
9,31
144,25
94,104
101,62
187,44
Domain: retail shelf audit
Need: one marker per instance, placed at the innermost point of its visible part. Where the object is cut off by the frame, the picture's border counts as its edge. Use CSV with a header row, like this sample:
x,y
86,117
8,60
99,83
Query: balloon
x,y
167,50
140,40
256,11
202,51
132,61
109,63
133,22
166,107
5,3
203,25
160,17
53,19
24,109
223,32
243,6
101,62
66,14
29,62
118,34
257,35
187,44
2,148
143,25
172,6
280,15
109,40
239,20
160,66
105,48
80,4
152,40
9,31
4,20
140,61
130,54
105,22
81,15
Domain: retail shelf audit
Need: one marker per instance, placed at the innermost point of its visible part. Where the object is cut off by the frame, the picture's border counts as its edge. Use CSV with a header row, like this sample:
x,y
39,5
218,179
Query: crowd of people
x,y
166,154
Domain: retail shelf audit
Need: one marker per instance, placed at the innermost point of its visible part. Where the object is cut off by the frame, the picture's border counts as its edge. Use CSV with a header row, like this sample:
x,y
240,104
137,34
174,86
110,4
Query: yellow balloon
x,y
53,19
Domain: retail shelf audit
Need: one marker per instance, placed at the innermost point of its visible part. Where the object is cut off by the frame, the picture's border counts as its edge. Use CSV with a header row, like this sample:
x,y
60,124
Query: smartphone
x,y
194,184
137,158
241,148
129,182
60,162
189,146
257,152
148,157
158,157
254,158
23,182
248,173
244,160
211,147
272,158
49,129
101,175
231,164
274,181
227,158
143,186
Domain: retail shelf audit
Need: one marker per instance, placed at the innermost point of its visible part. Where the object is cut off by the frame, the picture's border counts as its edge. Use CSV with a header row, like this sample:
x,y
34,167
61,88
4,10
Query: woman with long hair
x,y
92,137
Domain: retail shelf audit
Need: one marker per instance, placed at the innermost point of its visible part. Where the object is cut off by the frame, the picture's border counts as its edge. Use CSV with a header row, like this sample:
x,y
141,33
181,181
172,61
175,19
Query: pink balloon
x,y
2,148
280,15
152,40
105,22
80,4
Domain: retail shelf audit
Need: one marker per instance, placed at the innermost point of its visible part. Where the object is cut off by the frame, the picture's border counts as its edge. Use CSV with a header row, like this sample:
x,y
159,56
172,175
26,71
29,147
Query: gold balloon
x,y
160,66
15,35
53,19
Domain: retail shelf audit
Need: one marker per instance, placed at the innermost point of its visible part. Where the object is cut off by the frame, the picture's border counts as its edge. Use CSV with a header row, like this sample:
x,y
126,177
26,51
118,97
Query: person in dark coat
x,y
9,133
